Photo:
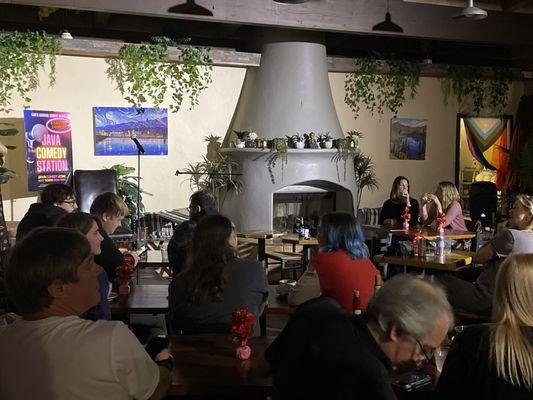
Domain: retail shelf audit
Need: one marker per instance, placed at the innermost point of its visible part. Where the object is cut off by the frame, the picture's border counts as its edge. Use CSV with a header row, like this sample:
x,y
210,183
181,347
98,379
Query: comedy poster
x,y
48,148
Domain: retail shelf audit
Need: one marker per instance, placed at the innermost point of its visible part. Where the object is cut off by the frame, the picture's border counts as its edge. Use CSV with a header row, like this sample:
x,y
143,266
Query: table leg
x,y
261,250
263,323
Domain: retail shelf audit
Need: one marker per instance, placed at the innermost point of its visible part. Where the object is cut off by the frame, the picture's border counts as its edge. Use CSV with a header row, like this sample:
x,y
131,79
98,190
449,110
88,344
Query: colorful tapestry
x,y
487,140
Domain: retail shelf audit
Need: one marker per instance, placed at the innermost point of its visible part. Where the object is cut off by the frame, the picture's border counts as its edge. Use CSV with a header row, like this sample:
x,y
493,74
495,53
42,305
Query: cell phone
x,y
156,345
411,380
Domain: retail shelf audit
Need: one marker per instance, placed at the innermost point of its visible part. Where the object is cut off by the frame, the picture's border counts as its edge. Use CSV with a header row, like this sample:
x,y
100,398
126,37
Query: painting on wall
x,y
48,148
115,127
408,139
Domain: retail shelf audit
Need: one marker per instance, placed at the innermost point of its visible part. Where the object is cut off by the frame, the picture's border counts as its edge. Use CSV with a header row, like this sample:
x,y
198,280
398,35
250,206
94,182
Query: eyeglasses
x,y
427,356
71,202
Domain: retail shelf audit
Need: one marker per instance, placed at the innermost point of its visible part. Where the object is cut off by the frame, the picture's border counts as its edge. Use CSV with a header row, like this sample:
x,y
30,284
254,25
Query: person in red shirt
x,y
342,264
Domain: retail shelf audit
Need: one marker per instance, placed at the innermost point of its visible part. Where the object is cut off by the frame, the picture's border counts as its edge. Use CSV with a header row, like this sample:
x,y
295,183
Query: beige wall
x,y
82,84
440,147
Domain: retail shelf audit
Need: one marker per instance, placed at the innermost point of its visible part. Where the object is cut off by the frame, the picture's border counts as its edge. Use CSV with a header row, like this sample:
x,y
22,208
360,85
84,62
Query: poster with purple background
x,y
115,126
48,148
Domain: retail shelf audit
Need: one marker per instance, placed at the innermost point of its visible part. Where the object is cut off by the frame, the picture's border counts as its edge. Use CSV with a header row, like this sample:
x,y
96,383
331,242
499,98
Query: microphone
x,y
137,143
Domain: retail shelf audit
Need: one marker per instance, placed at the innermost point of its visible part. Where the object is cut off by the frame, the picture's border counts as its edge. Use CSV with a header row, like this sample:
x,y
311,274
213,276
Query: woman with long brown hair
x,y
215,281
495,361
393,209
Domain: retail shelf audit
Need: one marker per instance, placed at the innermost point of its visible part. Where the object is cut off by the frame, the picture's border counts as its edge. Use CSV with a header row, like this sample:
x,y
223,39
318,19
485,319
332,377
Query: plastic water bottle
x,y
439,250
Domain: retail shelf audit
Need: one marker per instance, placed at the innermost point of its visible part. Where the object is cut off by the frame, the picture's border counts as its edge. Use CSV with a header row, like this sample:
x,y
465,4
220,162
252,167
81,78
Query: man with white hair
x,y
323,352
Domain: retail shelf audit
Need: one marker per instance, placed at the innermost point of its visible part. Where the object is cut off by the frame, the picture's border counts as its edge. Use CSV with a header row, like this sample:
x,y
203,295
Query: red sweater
x,y
339,275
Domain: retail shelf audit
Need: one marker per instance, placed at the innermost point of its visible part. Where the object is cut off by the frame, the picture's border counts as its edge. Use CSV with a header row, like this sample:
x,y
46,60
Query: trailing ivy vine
x,y
467,82
22,55
143,73
377,91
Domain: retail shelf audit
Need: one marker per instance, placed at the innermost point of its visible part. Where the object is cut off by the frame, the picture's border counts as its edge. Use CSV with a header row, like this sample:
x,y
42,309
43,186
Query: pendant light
x,y
387,25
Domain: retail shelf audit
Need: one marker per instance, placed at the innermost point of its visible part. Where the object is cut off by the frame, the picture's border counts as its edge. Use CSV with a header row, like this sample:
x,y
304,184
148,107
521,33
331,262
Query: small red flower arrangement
x,y
416,241
125,271
406,217
242,323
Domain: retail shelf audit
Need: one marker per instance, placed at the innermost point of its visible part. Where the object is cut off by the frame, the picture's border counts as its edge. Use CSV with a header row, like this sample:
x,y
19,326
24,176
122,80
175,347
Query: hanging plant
x,y
466,82
22,55
143,73
377,91
278,151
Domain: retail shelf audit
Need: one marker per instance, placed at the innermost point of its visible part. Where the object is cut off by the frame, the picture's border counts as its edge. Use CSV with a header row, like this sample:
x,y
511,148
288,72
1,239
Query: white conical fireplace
x,y
289,93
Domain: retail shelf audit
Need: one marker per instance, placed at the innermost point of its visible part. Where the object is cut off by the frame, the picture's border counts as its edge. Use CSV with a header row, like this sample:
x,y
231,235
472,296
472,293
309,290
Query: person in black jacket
x,y
110,210
57,199
201,203
325,353
393,209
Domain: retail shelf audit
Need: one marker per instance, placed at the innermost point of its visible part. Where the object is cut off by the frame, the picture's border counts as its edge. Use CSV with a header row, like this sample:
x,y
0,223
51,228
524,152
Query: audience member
x,y
50,353
323,352
215,281
445,200
56,200
495,361
477,296
88,225
393,209
110,210
342,264
201,203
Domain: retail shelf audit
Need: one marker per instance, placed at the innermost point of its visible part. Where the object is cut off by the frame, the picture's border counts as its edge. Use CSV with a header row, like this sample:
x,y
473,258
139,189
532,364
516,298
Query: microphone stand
x,y
140,150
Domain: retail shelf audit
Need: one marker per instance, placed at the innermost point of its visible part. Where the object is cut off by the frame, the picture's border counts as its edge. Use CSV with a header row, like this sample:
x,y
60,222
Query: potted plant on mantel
x,y
241,139
325,140
296,141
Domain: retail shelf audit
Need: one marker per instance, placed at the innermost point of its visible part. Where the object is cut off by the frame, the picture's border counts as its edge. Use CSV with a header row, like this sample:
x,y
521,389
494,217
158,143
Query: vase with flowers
x,y
250,140
125,271
406,218
242,323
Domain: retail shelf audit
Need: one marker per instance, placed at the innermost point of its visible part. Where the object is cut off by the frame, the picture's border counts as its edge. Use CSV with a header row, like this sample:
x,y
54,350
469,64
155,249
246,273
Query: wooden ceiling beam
x,y
424,21
513,5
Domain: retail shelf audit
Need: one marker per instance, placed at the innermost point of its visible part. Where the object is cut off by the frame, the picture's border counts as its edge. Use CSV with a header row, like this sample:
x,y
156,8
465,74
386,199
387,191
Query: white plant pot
x,y
300,145
240,144
328,144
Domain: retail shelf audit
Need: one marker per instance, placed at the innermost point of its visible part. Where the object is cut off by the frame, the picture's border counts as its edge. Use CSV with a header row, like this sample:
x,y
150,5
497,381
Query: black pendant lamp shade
x,y
387,25
191,8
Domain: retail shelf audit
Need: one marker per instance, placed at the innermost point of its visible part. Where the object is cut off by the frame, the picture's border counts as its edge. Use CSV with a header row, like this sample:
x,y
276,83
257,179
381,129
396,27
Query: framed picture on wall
x,y
408,139
114,128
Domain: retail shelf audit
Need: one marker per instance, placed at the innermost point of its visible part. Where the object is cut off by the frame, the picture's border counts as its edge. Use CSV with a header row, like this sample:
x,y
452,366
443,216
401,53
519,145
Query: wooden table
x,y
205,365
449,262
306,244
427,233
143,299
261,237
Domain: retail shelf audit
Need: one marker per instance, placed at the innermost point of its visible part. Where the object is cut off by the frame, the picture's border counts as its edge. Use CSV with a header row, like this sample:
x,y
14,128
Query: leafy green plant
x,y
278,151
378,91
5,173
143,73
345,151
22,55
365,175
467,82
216,174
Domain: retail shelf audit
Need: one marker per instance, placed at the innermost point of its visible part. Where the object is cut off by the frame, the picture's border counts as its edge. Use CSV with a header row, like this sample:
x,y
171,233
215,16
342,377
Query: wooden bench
x,y
288,261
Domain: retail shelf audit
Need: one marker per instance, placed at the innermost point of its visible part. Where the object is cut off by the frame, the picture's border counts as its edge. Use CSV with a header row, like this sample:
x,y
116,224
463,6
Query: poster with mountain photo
x,y
408,139
114,128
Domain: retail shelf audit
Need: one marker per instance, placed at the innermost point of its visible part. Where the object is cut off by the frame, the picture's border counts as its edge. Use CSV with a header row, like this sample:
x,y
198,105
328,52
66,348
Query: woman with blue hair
x,y
341,266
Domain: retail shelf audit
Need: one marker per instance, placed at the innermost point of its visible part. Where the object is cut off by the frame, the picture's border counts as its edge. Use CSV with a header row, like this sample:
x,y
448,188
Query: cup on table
x,y
164,252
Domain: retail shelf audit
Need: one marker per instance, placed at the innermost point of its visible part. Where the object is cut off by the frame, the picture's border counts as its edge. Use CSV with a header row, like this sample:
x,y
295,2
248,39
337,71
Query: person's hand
x,y
135,256
389,221
163,355
432,197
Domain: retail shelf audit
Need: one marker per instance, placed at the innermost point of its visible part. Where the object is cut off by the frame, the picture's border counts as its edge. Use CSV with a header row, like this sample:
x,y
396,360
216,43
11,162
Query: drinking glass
x,y
440,356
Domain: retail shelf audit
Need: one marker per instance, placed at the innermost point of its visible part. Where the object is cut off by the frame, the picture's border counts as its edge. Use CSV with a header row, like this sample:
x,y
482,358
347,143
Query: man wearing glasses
x,y
57,199
324,352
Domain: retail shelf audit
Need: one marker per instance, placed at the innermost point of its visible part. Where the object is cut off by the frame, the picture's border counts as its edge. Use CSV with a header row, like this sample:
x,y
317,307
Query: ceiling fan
x,y
191,8
471,12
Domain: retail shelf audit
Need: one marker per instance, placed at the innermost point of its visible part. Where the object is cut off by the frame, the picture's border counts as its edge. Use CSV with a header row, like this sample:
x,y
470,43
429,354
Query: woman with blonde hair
x,y
518,238
495,361
445,200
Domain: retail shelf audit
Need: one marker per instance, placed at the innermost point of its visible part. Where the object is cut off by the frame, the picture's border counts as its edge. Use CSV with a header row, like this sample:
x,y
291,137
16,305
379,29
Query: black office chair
x,y
483,200
90,183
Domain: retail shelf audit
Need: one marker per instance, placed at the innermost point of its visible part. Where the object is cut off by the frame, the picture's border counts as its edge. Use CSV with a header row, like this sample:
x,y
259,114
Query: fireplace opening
x,y
309,206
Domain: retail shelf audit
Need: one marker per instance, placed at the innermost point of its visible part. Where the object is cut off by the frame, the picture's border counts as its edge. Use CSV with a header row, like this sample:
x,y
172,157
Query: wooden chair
x,y
288,260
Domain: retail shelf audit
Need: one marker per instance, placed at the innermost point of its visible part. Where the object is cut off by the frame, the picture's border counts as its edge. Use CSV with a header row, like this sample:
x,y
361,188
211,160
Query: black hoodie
x,y
37,216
